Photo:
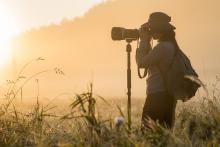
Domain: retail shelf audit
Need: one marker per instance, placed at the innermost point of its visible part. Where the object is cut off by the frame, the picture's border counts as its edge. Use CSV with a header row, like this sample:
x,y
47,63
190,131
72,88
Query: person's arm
x,y
152,58
142,51
144,47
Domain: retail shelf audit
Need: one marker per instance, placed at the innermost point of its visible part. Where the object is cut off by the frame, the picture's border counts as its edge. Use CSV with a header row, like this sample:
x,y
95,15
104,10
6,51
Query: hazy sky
x,y
32,13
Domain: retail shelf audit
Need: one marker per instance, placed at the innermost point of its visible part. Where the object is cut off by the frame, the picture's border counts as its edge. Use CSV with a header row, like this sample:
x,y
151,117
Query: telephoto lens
x,y
119,33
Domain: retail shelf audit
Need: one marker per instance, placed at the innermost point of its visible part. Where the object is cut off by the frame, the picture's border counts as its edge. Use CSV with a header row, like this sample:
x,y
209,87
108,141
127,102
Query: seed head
x,y
119,121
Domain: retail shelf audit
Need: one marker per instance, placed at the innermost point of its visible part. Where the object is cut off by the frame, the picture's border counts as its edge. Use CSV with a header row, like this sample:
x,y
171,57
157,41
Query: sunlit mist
x,y
5,53
8,29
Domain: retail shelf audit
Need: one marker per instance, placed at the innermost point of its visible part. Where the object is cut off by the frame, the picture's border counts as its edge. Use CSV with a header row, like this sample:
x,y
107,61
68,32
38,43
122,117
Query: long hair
x,y
169,36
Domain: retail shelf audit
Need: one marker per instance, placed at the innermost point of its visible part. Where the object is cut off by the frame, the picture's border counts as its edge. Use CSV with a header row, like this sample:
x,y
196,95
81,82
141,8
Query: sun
x,y
7,30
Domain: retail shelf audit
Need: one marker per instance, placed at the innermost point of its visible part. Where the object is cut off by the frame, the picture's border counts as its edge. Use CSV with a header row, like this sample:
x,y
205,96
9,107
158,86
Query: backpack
x,y
180,78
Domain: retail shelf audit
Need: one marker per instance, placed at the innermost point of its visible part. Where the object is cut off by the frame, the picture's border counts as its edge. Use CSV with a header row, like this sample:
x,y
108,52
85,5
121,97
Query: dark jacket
x,y
155,61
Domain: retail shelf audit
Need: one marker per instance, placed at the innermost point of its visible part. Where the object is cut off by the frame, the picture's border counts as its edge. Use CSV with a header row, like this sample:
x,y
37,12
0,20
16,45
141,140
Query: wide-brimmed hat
x,y
159,22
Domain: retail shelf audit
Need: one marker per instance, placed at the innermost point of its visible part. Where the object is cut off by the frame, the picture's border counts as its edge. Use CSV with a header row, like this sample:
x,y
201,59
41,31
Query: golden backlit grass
x,y
91,120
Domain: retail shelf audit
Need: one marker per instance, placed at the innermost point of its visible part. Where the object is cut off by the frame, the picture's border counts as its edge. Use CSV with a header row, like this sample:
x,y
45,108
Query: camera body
x,y
119,33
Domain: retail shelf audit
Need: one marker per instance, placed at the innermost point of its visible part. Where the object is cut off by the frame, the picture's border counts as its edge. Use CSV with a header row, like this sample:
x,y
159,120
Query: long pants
x,y
159,107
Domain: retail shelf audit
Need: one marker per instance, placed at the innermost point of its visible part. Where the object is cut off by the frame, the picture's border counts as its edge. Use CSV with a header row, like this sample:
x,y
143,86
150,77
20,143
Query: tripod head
x,y
128,48
129,40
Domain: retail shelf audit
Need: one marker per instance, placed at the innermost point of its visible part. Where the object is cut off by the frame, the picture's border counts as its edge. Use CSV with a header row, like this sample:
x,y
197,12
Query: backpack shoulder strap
x,y
169,67
171,63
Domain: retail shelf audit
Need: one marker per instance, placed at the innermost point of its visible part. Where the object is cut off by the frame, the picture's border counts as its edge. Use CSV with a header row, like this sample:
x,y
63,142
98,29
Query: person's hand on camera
x,y
144,33
145,36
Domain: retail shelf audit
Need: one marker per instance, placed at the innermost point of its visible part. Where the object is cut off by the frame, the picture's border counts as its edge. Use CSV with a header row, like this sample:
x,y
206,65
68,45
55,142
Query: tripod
x,y
128,50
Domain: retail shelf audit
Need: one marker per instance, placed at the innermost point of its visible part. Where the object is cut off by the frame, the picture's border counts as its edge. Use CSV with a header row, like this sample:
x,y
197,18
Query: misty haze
x,y
79,50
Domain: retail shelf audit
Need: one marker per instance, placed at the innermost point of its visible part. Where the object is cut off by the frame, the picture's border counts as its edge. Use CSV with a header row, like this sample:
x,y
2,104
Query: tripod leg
x,y
129,84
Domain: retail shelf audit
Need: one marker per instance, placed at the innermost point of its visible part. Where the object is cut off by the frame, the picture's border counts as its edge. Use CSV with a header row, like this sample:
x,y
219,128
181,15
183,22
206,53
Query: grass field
x,y
90,120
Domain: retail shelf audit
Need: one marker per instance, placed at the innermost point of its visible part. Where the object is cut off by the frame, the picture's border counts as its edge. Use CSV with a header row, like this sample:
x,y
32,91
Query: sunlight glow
x,y
7,30
4,53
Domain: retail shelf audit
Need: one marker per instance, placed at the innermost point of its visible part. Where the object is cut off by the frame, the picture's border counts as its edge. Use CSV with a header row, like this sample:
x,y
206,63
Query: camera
x,y
119,33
